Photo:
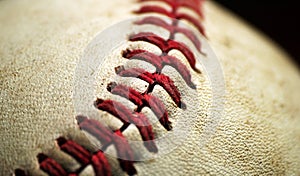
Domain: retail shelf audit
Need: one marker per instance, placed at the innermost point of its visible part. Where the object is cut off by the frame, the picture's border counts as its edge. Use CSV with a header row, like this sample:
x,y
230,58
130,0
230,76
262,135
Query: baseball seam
x,y
108,137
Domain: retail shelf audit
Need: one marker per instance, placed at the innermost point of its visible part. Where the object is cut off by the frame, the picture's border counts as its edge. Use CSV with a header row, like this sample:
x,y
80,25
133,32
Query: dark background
x,y
280,20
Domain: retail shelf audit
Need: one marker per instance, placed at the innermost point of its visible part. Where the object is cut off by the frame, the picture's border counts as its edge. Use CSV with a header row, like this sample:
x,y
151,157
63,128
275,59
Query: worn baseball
x,y
143,87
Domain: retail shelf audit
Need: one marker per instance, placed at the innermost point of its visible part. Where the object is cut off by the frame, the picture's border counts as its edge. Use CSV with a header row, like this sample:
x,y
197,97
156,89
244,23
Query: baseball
x,y
143,87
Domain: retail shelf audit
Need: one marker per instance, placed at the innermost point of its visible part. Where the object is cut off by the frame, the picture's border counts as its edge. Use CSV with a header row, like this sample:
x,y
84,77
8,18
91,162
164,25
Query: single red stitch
x,y
142,100
194,21
155,9
134,96
50,166
172,29
100,164
153,79
95,128
166,46
124,151
126,116
159,62
195,5
75,150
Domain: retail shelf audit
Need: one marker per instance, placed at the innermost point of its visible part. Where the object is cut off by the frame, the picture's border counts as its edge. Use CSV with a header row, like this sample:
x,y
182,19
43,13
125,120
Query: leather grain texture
x,y
42,41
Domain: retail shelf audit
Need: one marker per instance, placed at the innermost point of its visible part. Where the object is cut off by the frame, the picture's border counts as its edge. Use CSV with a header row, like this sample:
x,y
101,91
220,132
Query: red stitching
x,y
108,137
75,150
193,5
127,116
142,100
50,166
172,29
160,61
153,79
166,46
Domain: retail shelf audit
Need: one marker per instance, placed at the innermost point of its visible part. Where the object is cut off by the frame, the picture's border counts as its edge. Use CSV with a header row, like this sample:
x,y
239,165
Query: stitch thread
x,y
172,29
108,137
